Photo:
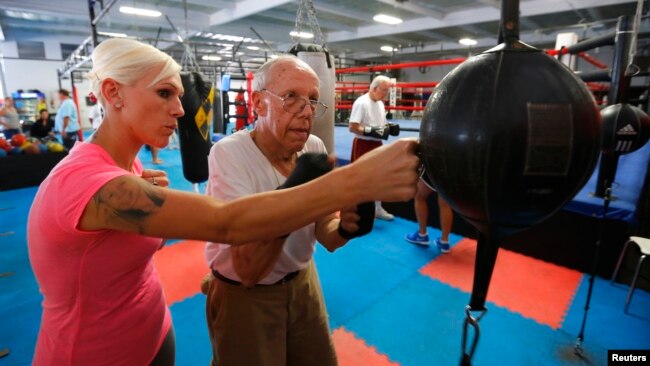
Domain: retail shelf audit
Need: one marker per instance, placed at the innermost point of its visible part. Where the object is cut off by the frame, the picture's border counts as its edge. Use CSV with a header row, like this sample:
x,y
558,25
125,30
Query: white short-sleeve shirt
x,y
238,168
368,112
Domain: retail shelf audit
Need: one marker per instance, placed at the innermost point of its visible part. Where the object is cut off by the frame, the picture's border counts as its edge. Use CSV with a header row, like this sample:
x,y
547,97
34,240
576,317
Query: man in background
x,y
67,119
368,123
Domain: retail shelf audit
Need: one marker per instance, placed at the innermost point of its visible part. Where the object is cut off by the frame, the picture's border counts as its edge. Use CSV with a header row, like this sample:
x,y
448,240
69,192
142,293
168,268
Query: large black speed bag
x,y
509,136
195,127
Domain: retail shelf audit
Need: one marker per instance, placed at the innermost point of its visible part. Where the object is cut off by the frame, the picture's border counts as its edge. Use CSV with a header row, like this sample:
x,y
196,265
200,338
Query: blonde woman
x,y
98,218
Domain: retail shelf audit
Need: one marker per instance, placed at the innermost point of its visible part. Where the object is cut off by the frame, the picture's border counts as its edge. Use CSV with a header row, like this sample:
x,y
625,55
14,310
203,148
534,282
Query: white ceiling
x,y
430,28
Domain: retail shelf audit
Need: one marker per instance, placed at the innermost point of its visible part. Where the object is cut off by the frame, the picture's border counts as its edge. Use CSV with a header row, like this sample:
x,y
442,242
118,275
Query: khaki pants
x,y
277,325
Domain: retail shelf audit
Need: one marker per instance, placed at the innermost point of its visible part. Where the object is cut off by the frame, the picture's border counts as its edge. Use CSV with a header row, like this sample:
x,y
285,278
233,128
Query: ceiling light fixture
x,y
211,58
387,19
111,34
138,11
467,42
388,48
301,34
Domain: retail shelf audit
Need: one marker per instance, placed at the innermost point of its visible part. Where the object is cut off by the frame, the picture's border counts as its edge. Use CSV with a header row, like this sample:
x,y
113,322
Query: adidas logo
x,y
627,130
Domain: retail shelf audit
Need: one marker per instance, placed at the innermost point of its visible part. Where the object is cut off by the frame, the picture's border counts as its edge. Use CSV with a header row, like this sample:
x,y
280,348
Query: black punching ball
x,y
625,129
195,127
507,138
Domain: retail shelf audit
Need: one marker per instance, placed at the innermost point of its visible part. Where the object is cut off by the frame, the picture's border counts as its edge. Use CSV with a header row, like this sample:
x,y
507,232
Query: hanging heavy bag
x,y
320,60
195,127
507,138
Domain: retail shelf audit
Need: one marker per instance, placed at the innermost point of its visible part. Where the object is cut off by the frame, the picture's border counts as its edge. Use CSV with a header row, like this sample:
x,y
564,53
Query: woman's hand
x,y
156,177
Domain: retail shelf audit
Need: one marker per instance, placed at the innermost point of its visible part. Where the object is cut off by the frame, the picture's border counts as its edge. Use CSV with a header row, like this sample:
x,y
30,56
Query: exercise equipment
x,y
195,127
55,146
506,155
241,112
625,130
18,140
243,115
366,212
322,62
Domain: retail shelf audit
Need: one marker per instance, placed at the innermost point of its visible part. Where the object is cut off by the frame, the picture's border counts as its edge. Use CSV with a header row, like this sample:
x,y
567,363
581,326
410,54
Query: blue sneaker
x,y
444,247
418,239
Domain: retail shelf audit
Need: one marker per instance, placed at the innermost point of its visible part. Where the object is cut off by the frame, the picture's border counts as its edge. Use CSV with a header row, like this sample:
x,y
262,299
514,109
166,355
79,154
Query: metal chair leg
x,y
620,261
633,285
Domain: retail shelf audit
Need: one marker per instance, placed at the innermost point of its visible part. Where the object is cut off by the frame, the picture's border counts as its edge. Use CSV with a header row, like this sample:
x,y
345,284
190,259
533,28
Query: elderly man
x,y
265,305
368,123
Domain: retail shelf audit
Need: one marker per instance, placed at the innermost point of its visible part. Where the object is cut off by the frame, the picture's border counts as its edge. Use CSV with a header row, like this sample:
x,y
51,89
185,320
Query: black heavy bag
x,y
625,129
217,121
507,138
195,127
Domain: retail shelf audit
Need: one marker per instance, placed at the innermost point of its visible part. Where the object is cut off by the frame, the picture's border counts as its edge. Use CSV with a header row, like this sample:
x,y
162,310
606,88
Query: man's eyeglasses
x,y
296,105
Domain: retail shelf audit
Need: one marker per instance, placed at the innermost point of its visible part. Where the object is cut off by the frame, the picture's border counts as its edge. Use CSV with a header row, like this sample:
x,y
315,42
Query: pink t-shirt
x,y
103,301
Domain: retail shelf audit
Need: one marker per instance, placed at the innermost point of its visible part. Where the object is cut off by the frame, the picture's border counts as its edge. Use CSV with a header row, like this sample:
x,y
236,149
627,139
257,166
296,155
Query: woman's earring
x,y
117,105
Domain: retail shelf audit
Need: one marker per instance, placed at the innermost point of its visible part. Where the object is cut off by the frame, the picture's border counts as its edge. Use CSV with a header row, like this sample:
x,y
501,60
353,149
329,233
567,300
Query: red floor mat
x,y
353,351
181,267
535,289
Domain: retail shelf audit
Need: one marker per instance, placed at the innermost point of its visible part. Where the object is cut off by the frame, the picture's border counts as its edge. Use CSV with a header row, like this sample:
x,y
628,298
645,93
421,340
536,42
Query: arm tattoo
x,y
129,201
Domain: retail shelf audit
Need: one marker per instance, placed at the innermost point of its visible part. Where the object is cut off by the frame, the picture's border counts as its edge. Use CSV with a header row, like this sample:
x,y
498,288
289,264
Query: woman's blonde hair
x,y
125,61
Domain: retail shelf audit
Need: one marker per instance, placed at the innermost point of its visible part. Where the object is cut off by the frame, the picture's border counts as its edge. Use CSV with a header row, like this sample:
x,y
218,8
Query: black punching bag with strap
x,y
507,138
195,127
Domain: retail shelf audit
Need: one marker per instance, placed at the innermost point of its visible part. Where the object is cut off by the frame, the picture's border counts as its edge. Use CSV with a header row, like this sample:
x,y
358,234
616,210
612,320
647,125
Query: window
x,y
67,49
31,49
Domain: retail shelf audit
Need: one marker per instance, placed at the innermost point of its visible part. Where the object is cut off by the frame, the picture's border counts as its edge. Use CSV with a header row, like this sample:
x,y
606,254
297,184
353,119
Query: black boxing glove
x,y
308,166
366,212
393,129
376,132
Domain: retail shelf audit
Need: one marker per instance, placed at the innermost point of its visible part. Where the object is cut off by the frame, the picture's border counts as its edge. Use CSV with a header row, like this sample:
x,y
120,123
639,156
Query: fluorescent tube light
x,y
138,11
387,19
110,34
301,34
467,41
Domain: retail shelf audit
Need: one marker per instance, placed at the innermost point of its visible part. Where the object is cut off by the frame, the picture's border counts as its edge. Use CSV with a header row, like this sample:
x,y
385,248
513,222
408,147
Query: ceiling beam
x,y
476,31
291,18
343,12
530,37
414,8
527,23
436,36
466,17
492,3
243,9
